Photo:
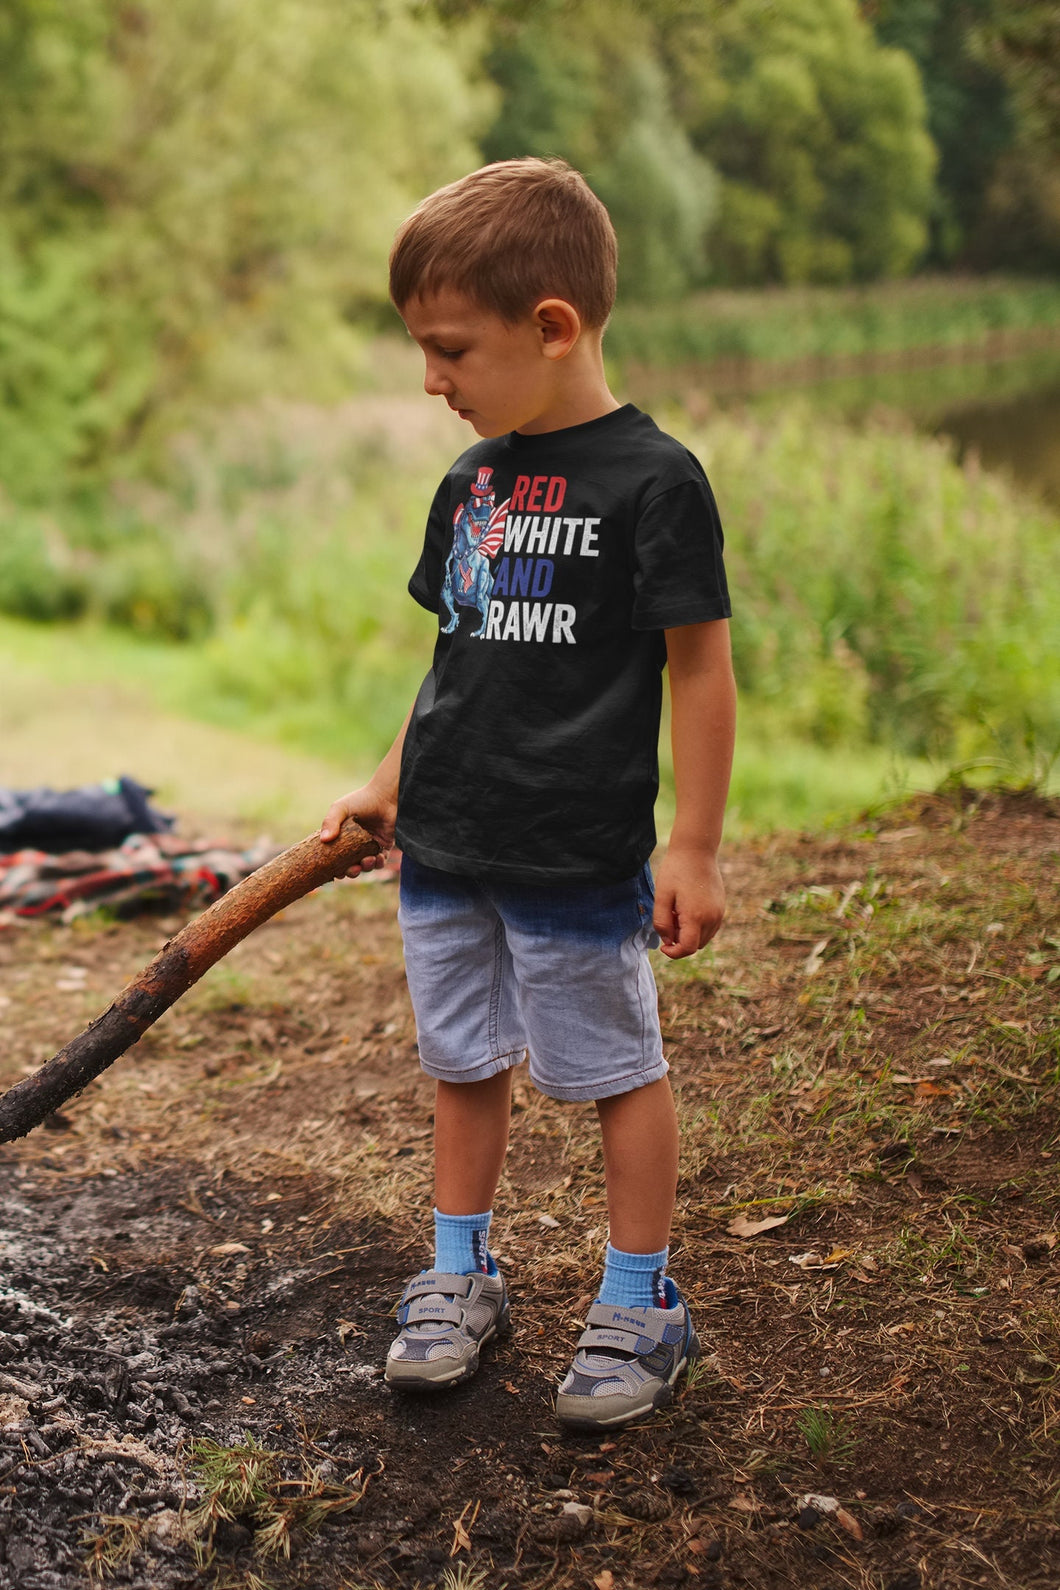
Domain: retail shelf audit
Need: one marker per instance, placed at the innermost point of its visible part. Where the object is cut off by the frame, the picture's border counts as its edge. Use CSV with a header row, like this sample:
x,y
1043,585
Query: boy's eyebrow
x,y
443,337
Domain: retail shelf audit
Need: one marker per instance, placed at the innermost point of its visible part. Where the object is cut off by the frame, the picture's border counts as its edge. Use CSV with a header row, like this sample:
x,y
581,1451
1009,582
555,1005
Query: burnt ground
x,y
200,1259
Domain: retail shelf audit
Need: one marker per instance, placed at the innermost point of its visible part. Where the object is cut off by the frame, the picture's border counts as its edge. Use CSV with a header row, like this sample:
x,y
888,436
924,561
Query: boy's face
x,y
496,376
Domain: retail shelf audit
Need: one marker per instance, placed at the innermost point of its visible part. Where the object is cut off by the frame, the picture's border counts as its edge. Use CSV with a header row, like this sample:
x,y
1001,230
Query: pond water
x,y
1020,434
1007,411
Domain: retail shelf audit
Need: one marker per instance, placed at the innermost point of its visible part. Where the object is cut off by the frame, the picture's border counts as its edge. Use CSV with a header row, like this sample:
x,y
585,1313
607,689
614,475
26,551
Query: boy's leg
x,y
471,1122
641,1146
448,1312
469,1035
639,1335
470,1141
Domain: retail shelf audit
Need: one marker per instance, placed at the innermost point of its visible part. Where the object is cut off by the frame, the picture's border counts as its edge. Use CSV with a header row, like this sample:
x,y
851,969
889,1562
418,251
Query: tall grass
x,y
888,604
822,323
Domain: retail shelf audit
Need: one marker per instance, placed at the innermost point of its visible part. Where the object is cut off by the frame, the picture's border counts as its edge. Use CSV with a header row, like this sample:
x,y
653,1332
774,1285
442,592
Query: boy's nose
x,y
435,381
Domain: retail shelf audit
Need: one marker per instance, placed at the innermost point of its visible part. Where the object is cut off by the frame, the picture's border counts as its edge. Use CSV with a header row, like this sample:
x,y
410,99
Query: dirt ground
x,y
199,1260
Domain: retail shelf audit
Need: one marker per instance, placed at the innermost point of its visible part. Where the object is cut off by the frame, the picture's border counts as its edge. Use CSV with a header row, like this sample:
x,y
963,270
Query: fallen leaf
x,y
223,1249
815,958
931,1090
605,1580
549,1221
742,1504
461,1535
514,1390
740,1226
848,1522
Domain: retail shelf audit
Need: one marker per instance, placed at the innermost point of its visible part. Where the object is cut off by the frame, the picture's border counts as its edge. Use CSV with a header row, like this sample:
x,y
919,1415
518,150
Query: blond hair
x,y
507,236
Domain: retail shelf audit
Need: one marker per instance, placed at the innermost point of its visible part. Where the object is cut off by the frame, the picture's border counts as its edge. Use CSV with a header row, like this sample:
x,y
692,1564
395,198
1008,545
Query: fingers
x,y
683,935
334,818
369,864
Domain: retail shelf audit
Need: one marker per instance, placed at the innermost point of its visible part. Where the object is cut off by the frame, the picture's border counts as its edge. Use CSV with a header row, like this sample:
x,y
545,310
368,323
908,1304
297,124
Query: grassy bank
x,y
802,325
893,613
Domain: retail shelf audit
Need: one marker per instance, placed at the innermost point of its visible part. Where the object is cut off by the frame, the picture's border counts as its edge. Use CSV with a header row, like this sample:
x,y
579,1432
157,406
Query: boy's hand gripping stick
x,y
180,962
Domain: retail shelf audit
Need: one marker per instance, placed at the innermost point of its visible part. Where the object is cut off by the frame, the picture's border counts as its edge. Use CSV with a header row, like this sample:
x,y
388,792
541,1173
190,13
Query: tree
x,y
584,82
198,195
818,132
1020,225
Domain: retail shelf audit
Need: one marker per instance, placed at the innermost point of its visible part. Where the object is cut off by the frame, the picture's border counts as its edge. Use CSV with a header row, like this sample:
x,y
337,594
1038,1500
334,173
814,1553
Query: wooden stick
x,y
177,965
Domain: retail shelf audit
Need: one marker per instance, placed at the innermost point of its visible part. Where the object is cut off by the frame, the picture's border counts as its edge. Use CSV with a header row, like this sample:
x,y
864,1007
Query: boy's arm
x,y
689,893
374,805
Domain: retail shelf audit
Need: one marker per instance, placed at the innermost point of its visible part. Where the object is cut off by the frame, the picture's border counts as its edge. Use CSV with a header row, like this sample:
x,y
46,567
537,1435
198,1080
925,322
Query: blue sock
x,y
634,1280
460,1244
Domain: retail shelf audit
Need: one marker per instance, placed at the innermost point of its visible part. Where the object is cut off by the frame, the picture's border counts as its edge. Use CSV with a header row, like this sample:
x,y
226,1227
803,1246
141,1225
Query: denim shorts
x,y
499,970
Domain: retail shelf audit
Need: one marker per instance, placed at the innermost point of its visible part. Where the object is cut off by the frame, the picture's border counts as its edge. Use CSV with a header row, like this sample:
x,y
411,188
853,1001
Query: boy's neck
x,y
581,392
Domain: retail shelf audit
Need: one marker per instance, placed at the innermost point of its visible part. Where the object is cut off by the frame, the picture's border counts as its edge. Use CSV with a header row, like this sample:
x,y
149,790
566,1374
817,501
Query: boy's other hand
x,y
689,901
374,812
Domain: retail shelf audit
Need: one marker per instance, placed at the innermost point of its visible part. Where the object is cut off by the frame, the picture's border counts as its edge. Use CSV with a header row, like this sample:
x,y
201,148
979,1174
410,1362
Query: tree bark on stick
x,y
177,965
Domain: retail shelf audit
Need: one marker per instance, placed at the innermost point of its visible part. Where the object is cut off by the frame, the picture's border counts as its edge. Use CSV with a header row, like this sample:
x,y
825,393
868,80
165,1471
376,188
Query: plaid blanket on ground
x,y
147,872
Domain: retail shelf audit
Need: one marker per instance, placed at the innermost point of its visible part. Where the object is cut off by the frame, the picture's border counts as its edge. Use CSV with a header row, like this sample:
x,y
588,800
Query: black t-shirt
x,y
554,562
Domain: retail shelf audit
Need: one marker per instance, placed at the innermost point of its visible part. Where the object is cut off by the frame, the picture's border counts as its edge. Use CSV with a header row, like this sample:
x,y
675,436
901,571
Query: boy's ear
x,y
559,326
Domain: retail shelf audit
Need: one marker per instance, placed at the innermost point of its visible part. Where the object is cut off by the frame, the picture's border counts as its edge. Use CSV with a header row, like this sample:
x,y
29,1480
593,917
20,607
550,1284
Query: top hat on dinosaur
x,y
482,487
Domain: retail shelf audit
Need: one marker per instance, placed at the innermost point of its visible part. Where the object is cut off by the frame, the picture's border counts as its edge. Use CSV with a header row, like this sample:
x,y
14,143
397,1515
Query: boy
x,y
570,555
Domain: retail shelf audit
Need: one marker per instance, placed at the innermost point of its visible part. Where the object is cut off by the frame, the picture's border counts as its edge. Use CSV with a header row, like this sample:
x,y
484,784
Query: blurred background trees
x,y
189,188
196,196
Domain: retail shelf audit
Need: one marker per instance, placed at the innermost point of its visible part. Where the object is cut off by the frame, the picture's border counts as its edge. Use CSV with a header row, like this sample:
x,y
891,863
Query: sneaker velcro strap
x,y
433,1284
436,1310
613,1340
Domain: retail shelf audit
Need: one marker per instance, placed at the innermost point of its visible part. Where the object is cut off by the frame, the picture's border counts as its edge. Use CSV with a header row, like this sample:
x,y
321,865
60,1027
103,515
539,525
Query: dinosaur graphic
x,y
478,534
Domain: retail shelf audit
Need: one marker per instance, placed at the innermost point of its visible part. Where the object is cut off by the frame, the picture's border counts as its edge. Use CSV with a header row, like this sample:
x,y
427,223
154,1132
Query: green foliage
x,y
277,1495
196,198
969,109
991,74
819,135
586,84
1021,223
823,323
830,1437
886,602
883,594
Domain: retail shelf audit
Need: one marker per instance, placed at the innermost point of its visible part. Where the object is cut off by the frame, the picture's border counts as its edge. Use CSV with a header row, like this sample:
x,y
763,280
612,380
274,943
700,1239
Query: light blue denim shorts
x,y
558,974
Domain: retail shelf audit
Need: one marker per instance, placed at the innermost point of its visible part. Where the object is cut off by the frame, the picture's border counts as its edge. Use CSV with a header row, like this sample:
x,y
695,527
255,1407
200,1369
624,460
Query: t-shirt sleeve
x,y
679,574
426,582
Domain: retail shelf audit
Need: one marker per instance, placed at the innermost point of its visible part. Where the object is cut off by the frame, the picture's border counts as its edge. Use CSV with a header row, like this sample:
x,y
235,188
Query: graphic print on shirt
x,y
513,598
478,531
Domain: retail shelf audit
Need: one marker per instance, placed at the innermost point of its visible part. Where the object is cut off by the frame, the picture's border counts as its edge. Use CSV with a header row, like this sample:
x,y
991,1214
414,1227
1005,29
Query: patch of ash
x,y
108,1372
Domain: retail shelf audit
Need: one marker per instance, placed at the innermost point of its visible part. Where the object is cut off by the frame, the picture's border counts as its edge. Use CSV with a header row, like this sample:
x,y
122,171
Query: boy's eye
x,y
450,353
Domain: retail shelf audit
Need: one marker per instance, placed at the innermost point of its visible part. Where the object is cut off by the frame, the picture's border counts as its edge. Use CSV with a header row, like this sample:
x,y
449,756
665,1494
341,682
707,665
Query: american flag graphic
x,y
493,539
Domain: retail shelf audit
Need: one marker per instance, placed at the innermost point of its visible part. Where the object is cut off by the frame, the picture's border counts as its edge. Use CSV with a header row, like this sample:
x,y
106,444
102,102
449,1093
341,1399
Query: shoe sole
x,y
662,1397
456,1376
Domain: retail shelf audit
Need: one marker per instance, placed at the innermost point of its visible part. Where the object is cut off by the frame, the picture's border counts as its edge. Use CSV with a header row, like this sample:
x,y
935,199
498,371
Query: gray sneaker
x,y
626,1363
444,1321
